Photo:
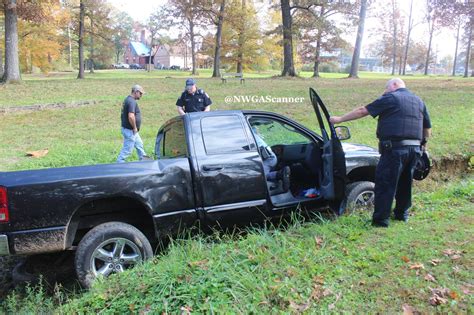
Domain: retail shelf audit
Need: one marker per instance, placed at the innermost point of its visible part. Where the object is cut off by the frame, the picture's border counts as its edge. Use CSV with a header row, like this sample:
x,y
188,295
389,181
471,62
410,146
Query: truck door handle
x,y
212,168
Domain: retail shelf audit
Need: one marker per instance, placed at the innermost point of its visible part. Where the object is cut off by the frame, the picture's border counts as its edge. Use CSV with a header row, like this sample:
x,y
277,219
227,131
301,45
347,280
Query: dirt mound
x,y
446,168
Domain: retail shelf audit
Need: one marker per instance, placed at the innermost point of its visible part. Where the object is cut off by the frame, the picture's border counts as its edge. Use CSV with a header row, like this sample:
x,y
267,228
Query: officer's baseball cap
x,y
138,88
190,82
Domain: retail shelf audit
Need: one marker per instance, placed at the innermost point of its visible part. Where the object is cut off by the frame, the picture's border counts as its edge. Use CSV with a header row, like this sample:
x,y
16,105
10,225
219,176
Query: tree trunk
x,y
81,40
410,26
91,57
69,45
358,45
400,62
427,61
12,62
317,53
316,58
217,51
394,39
1,63
456,49
193,47
240,55
151,50
288,63
468,50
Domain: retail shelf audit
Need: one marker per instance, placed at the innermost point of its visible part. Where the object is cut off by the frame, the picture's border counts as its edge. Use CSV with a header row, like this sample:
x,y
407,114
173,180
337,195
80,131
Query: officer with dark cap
x,y
402,129
193,99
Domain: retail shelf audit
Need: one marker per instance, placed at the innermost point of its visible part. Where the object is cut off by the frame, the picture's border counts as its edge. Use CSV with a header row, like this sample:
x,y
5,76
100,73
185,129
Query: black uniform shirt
x,y
130,106
402,115
196,102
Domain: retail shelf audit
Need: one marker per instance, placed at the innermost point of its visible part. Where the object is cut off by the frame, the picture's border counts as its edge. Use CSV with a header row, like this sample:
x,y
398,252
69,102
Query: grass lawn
x,y
342,266
90,134
321,266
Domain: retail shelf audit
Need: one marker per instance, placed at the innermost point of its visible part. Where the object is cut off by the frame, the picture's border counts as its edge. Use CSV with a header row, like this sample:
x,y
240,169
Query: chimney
x,y
142,37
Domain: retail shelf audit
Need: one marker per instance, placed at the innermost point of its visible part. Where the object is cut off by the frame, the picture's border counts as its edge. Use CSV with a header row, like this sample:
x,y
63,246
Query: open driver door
x,y
333,181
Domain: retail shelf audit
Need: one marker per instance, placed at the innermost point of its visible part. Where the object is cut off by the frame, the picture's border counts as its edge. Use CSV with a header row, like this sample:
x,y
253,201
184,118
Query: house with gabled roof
x,y
138,51
173,55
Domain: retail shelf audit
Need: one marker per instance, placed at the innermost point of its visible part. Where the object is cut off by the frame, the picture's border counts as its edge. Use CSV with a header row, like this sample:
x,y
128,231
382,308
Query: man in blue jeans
x,y
131,121
403,128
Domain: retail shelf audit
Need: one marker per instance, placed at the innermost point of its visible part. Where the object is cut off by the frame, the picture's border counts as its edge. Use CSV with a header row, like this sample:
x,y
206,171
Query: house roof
x,y
174,50
140,49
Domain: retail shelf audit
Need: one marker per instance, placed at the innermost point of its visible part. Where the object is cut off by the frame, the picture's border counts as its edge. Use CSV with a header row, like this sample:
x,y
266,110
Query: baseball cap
x,y
190,82
139,88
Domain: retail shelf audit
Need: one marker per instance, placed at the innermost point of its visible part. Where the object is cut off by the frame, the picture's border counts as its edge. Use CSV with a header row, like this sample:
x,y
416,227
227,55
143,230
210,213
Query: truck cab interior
x,y
294,150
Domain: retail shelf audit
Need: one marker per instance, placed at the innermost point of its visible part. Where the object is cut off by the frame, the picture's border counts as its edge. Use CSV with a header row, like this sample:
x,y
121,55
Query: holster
x,y
385,146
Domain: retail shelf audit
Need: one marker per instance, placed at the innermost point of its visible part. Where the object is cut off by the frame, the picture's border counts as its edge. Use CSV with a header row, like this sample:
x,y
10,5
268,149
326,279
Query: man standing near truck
x,y
131,120
193,99
403,127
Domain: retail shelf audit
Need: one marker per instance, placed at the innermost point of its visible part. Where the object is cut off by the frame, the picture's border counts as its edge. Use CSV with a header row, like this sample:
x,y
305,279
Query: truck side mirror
x,y
343,132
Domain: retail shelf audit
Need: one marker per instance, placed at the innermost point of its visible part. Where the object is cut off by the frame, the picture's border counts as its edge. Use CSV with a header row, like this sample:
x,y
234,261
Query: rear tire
x,y
110,248
359,195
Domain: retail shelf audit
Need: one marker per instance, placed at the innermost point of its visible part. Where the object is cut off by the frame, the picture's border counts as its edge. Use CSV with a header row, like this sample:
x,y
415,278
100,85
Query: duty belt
x,y
402,143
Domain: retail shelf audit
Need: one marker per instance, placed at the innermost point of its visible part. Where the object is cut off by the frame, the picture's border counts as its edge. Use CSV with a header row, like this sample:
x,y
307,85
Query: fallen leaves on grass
x,y
454,295
319,241
300,308
186,310
319,292
146,310
318,280
466,289
38,153
409,310
440,296
406,259
452,253
435,262
201,263
430,277
290,272
417,266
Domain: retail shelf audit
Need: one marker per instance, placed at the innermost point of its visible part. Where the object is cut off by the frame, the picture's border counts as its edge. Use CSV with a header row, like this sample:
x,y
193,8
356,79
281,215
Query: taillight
x,y
3,205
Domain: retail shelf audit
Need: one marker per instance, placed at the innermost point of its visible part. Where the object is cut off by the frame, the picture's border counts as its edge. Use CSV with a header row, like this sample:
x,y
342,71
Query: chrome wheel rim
x,y
115,255
365,198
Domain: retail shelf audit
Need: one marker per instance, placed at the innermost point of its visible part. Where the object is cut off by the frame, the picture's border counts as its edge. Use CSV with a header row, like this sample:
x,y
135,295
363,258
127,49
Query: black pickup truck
x,y
208,171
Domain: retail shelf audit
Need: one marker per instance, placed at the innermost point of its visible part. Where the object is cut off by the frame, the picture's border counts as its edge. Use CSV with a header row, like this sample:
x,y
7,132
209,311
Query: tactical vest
x,y
404,120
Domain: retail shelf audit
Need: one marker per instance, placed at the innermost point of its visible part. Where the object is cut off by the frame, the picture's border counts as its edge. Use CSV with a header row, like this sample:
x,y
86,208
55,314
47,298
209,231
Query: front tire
x,y
110,248
359,195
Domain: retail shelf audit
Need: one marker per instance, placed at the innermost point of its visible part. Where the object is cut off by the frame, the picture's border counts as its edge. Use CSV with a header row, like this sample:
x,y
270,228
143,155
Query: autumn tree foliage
x,y
318,30
241,36
122,26
41,40
31,35
189,17
391,34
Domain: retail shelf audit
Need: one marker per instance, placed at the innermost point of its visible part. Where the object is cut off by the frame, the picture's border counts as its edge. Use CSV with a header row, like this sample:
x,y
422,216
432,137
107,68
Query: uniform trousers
x,y
393,179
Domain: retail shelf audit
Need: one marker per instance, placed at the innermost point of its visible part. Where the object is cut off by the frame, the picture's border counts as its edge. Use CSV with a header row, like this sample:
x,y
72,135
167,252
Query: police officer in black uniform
x,y
403,128
193,99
